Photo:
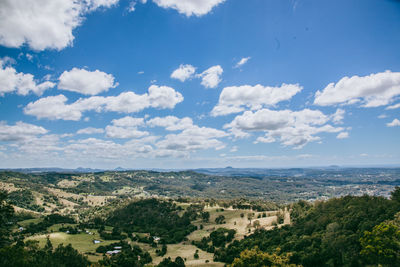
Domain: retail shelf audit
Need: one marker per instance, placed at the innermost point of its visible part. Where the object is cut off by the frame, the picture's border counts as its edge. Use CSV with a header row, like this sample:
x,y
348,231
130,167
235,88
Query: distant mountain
x,y
57,170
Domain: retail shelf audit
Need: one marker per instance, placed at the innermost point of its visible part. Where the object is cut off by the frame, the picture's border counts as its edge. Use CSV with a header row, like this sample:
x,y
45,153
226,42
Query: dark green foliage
x,y
327,234
30,255
167,262
24,199
71,230
115,234
217,238
220,219
6,216
159,218
163,250
395,196
48,221
205,216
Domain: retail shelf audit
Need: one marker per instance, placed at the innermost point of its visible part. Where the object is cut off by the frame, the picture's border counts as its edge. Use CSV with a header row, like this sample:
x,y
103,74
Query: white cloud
x,y
56,108
242,62
43,24
370,91
190,7
394,123
235,99
131,6
393,106
128,121
234,149
291,128
22,83
184,72
19,131
29,56
53,108
163,97
126,127
211,77
342,135
192,139
382,116
86,82
338,117
124,132
171,123
90,130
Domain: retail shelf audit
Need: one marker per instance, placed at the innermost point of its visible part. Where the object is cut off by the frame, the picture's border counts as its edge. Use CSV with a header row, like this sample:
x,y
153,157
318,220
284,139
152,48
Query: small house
x,y
96,241
112,252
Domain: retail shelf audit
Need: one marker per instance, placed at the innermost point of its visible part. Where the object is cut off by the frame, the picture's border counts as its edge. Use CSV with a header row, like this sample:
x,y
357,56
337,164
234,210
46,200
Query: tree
x,y
382,245
250,216
395,195
6,213
256,258
205,216
220,219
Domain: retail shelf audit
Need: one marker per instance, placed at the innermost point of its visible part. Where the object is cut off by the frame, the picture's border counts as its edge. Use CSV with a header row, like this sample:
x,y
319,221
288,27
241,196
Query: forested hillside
x,y
348,231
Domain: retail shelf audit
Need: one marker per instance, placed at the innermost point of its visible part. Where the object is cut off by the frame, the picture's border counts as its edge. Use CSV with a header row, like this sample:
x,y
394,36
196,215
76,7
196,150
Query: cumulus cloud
x,y
342,135
128,121
53,108
126,127
86,82
22,83
394,123
235,99
90,130
191,139
290,128
242,62
393,106
19,131
184,72
124,132
56,108
44,24
211,77
338,117
190,7
171,123
375,90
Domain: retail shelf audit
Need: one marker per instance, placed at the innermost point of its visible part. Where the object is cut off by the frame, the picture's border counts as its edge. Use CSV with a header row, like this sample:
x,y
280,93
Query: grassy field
x,y
25,223
82,242
233,220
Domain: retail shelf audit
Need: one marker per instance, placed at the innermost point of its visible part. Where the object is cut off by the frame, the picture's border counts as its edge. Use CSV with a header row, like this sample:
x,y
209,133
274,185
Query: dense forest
x,y
348,231
158,218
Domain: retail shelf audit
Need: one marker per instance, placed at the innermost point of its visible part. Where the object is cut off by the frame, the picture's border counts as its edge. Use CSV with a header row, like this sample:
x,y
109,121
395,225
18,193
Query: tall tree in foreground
x,y
6,213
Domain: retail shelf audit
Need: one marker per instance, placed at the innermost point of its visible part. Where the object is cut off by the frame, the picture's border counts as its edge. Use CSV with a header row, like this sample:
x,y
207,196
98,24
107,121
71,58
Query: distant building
x,y
21,229
96,241
156,238
118,248
111,252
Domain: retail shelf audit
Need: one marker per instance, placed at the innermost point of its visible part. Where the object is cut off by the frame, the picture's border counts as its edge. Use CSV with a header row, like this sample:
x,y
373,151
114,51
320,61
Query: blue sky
x,y
199,83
